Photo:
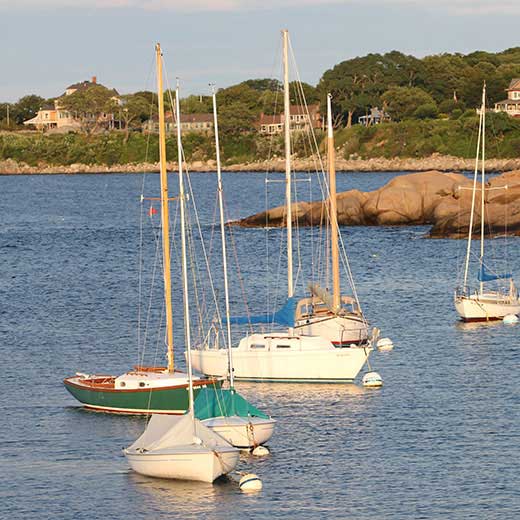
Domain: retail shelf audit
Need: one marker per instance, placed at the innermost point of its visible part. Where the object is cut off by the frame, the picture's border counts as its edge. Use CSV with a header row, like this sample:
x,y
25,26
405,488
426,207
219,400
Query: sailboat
x,y
484,303
332,316
181,447
144,390
284,356
225,411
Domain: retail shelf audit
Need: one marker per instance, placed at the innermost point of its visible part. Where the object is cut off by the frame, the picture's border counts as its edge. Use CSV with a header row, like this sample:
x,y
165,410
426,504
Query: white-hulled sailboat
x,y
483,303
289,356
171,446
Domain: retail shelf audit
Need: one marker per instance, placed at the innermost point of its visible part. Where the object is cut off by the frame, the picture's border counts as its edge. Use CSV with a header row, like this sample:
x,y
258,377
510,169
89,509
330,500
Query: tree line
x,y
403,86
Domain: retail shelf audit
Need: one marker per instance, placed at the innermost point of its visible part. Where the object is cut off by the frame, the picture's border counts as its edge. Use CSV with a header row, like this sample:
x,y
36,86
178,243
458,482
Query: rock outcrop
x,y
442,200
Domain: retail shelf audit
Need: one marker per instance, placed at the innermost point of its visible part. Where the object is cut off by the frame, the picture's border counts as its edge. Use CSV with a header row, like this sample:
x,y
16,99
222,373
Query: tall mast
x,y
182,198
333,211
473,199
164,212
483,197
287,110
223,238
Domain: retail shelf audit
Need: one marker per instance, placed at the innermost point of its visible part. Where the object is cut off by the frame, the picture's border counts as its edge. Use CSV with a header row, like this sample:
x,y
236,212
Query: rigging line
x,y
269,288
306,140
203,247
140,274
197,220
231,236
151,293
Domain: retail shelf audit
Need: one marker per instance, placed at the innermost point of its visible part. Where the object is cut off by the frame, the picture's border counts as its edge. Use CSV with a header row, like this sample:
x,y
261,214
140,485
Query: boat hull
x,y
242,432
334,365
340,330
473,308
197,463
169,400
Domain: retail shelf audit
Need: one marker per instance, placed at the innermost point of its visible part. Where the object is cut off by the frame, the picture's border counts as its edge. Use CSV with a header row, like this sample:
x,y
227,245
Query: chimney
x,y
94,79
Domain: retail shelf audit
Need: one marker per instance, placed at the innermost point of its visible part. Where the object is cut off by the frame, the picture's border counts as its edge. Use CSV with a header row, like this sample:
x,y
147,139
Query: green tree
x,y
90,105
26,108
402,102
133,111
264,84
356,85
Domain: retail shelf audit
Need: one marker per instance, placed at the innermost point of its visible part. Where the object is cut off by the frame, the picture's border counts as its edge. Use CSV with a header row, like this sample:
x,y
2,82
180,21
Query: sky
x,y
50,44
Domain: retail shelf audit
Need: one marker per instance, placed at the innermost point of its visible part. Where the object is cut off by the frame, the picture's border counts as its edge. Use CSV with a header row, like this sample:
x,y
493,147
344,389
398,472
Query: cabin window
x,y
283,346
257,345
122,383
141,384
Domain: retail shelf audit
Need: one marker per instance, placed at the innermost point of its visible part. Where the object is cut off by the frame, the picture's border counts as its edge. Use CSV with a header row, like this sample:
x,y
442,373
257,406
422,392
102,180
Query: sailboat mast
x,y
287,110
473,200
165,212
185,294
333,211
483,197
223,238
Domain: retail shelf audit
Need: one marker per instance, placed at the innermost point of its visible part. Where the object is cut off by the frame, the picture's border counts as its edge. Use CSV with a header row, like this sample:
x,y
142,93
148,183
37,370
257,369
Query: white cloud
x,y
461,7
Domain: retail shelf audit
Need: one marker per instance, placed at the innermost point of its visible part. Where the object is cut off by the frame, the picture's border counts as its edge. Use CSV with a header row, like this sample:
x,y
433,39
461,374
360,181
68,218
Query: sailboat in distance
x,y
144,390
171,446
332,316
484,303
284,356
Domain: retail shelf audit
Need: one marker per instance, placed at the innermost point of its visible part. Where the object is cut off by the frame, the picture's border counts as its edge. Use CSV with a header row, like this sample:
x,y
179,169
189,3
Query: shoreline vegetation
x,y
410,145
442,163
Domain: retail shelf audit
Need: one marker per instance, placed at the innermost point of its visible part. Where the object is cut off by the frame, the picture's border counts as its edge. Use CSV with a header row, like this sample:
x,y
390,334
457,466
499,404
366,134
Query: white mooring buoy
x,y
260,451
249,483
372,380
385,344
510,319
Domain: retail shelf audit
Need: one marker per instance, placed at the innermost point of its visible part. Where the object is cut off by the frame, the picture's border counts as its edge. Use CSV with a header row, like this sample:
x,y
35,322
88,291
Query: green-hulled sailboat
x,y
146,389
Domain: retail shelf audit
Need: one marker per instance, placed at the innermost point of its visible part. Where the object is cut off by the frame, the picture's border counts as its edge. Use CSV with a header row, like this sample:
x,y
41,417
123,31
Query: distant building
x,y
300,118
373,118
189,123
511,105
55,117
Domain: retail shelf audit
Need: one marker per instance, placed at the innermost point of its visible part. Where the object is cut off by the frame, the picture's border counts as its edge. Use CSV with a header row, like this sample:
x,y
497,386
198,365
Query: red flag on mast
x,y
152,211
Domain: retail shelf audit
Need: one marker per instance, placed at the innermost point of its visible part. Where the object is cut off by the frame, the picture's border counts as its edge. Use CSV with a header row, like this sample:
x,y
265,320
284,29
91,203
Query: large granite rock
x,y
440,199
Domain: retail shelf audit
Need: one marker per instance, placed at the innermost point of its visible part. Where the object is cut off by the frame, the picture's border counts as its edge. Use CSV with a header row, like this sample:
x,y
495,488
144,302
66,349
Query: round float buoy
x,y
385,344
372,380
260,451
250,482
510,319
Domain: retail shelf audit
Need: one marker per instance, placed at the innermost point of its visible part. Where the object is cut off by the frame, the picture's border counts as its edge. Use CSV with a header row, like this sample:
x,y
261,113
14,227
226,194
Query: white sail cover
x,y
170,431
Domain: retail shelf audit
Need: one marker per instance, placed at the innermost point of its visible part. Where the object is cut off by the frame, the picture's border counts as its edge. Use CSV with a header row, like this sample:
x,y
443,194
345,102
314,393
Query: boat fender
x,y
385,344
372,380
250,483
260,451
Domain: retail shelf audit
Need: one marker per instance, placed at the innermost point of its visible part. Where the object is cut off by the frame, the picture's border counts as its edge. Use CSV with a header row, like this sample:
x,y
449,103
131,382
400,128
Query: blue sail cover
x,y
284,316
485,276
216,402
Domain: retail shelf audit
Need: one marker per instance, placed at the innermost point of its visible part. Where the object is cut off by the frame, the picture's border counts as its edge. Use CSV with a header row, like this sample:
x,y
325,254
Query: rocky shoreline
x,y
441,200
436,162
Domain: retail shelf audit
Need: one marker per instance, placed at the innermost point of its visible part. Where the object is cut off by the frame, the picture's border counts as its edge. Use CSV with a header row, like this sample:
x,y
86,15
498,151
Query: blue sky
x,y
49,44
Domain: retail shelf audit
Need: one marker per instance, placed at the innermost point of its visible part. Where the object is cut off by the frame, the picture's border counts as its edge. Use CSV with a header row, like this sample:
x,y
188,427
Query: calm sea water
x,y
439,440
